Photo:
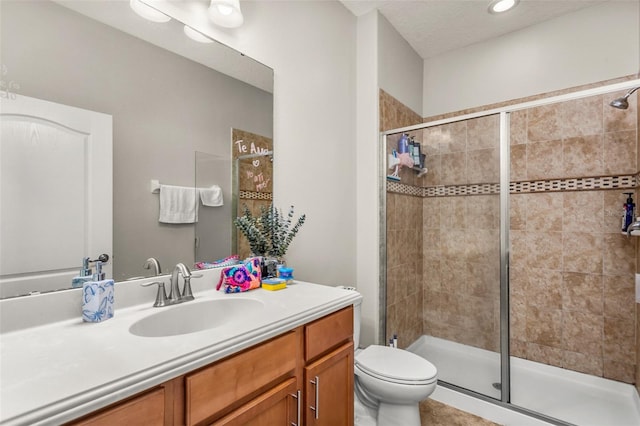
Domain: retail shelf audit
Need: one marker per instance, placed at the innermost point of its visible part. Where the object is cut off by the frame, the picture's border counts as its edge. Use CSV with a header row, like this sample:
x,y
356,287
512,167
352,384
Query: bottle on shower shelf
x,y
629,211
403,144
416,152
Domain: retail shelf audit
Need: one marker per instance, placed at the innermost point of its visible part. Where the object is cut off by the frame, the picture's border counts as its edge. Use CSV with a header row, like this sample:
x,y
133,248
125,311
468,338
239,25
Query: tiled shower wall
x,y
572,273
637,305
404,240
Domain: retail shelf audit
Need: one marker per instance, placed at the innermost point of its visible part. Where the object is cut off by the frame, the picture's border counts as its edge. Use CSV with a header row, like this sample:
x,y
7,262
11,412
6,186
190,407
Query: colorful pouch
x,y
227,261
243,277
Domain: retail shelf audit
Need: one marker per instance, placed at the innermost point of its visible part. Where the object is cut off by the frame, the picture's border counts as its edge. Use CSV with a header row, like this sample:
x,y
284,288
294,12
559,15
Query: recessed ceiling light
x,y
499,6
148,12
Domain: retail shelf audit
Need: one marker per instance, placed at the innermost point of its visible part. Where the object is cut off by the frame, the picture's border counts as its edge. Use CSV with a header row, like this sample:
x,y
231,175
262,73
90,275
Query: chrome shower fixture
x,y
622,103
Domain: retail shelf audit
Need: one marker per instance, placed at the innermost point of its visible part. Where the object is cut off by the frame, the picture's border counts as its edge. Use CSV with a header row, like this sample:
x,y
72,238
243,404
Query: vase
x,y
270,266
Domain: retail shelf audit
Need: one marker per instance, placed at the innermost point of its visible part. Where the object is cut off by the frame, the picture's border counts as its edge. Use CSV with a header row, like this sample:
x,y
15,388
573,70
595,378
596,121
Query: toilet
x,y
391,381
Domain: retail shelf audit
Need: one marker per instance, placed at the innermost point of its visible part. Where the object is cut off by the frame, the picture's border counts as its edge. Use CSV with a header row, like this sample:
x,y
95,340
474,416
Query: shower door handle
x,y
316,409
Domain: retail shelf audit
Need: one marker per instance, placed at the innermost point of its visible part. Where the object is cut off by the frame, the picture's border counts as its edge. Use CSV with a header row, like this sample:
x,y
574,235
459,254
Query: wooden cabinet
x,y
278,406
329,389
328,373
223,386
302,377
145,409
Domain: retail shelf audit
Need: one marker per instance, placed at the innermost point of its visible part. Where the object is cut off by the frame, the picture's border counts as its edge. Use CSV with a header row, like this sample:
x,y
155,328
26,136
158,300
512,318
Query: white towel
x,y
211,197
178,204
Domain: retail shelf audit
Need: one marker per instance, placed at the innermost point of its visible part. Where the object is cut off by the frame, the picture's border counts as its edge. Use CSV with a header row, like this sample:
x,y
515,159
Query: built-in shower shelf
x,y
633,233
421,171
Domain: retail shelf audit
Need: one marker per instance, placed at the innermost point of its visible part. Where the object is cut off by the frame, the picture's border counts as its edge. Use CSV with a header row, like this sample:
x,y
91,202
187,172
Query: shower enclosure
x,y
505,265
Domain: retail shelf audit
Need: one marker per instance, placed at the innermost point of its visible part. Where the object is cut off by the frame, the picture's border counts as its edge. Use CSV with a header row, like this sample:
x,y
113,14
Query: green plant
x,y
270,233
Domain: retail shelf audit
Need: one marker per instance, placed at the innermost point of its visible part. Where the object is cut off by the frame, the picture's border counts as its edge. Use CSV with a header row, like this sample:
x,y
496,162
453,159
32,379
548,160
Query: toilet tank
x,y
357,309
357,312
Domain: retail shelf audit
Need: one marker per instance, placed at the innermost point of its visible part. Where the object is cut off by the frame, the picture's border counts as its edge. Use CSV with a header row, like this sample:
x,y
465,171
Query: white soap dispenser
x,y
97,297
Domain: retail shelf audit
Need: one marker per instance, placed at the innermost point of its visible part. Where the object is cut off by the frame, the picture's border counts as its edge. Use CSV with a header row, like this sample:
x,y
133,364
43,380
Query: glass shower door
x,y
462,253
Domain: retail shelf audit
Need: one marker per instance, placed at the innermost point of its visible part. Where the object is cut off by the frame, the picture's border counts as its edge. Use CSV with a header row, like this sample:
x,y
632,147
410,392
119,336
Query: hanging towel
x,y
212,196
178,204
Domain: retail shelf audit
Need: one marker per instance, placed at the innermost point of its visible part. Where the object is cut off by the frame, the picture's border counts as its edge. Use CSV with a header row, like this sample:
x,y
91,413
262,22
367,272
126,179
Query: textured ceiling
x,y
433,27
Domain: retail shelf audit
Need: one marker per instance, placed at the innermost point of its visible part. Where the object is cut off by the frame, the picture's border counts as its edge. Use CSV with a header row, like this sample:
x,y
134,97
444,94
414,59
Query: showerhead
x,y
622,103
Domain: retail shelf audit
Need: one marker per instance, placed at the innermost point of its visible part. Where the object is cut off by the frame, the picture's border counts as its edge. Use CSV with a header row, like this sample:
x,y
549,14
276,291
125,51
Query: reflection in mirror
x,y
213,179
253,178
164,107
55,185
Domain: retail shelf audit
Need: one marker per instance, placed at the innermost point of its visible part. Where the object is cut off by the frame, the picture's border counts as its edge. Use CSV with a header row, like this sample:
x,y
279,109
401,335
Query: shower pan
x,y
525,281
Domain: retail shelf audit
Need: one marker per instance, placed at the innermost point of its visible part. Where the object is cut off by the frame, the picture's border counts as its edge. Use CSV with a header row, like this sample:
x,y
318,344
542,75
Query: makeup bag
x,y
242,277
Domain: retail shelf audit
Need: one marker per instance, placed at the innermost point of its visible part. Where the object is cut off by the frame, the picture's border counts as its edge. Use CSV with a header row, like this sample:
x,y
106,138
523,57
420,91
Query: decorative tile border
x,y
405,189
252,195
551,185
473,189
578,184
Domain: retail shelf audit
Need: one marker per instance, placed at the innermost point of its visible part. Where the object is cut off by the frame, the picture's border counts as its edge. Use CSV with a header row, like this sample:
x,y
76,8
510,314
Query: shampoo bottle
x,y
84,276
403,144
97,297
629,211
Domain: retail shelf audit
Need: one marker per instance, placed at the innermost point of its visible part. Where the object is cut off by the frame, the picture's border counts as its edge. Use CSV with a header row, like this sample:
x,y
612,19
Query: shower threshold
x,y
566,395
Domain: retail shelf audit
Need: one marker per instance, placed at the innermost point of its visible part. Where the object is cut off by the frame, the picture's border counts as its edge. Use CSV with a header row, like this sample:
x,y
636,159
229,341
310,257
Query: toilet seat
x,y
395,365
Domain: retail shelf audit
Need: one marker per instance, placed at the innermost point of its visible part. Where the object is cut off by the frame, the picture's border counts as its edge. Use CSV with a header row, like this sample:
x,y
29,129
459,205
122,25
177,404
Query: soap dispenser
x,y
97,297
84,276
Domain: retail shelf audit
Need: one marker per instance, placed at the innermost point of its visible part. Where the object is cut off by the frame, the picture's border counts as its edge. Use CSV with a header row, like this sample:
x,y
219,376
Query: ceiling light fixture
x,y
196,35
499,6
148,12
226,13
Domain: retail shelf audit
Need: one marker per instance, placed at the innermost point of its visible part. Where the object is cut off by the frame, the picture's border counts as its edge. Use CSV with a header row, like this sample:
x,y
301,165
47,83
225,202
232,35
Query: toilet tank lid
x,y
395,364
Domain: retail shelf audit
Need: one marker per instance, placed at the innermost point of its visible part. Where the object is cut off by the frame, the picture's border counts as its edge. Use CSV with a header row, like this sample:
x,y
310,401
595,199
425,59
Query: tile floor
x,y
434,413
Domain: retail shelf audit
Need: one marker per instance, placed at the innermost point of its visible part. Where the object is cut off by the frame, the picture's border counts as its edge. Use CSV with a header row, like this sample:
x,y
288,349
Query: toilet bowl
x,y
391,381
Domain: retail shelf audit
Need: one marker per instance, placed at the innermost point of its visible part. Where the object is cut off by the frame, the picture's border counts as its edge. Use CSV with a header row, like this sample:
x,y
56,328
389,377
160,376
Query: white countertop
x,y
57,372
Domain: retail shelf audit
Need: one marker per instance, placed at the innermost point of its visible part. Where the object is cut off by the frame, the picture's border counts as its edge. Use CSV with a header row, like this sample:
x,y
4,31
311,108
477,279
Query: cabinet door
x,y
218,389
277,407
329,389
147,409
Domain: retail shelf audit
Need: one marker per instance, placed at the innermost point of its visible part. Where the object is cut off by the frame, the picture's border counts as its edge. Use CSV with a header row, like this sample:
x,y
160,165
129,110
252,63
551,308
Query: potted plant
x,y
270,233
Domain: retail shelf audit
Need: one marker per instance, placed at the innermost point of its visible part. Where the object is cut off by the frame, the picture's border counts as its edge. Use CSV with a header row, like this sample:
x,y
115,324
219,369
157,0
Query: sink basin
x,y
191,317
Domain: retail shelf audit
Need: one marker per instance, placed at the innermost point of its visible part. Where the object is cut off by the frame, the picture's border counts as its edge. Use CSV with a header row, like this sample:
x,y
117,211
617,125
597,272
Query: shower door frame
x,y
504,149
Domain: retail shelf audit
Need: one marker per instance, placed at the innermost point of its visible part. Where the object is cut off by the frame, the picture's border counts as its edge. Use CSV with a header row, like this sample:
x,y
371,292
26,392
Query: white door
x,y
55,193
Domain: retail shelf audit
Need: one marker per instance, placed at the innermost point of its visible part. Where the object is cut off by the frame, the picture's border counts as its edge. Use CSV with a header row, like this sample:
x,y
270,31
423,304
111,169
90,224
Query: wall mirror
x,y
171,99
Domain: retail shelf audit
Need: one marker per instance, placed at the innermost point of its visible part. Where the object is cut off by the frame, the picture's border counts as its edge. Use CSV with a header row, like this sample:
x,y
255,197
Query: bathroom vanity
x,y
290,361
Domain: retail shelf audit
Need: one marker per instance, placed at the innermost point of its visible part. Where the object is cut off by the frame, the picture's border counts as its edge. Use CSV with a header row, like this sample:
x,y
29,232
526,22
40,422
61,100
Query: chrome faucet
x,y
175,296
161,296
152,262
174,292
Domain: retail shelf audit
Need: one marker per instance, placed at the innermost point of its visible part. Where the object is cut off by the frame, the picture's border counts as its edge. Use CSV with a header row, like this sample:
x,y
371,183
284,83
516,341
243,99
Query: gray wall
x,y
164,108
400,68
